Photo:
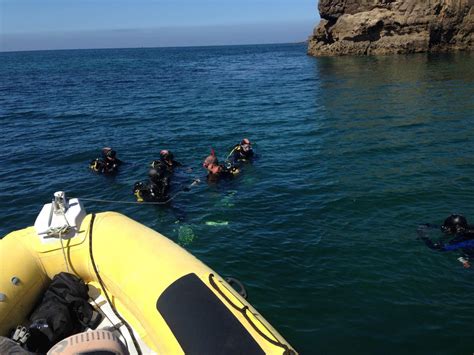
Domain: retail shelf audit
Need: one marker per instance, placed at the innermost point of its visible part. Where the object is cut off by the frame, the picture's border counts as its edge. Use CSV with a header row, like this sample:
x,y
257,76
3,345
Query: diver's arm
x,y
422,234
432,245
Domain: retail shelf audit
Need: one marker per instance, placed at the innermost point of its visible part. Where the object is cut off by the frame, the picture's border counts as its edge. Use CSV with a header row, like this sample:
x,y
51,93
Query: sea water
x,y
353,153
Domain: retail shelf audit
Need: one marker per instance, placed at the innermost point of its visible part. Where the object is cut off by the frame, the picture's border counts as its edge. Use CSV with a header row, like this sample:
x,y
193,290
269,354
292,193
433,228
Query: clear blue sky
x,y
58,24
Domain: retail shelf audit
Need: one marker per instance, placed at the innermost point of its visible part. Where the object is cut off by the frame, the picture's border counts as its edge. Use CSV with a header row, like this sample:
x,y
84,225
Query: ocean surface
x,y
353,154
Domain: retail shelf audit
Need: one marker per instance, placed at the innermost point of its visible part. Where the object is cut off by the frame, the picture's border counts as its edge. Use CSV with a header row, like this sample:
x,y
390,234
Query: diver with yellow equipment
x,y
242,152
156,188
108,164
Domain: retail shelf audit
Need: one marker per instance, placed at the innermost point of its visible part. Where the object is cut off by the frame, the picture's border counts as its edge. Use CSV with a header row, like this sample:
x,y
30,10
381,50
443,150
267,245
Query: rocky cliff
x,y
365,27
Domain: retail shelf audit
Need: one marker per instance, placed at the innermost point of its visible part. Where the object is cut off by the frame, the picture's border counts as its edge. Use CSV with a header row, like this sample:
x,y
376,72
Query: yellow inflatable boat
x,y
173,302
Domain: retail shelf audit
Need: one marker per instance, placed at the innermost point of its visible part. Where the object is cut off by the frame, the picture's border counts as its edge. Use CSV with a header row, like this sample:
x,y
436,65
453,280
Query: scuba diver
x,y
107,164
167,160
156,189
216,171
241,152
462,240
159,184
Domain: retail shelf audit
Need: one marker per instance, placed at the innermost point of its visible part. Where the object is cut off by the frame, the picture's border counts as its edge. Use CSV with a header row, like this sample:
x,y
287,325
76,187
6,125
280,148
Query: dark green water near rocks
x,y
353,152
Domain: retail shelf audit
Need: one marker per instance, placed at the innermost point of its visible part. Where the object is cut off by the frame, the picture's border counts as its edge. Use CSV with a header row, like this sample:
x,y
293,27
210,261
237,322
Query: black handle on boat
x,y
233,281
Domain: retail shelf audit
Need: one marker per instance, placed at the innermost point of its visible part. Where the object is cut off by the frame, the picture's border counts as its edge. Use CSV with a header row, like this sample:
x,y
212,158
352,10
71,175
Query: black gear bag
x,y
63,311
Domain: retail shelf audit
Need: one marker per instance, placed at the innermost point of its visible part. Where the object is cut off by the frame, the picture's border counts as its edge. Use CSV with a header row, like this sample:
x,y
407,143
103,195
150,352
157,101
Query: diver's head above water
x,y
153,173
211,164
166,156
455,224
246,145
109,153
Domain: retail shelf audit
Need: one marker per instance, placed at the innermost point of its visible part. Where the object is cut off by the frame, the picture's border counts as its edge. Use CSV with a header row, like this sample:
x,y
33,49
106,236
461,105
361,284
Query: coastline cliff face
x,y
366,27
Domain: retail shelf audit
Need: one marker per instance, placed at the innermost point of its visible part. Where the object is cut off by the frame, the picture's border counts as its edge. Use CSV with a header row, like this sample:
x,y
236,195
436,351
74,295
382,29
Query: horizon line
x,y
154,47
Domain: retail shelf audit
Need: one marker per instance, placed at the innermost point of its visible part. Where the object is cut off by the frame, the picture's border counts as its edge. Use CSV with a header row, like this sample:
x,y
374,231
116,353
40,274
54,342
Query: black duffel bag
x,y
63,311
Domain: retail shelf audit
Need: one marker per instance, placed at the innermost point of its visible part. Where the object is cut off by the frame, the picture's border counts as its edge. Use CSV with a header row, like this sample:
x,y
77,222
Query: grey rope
x,y
64,252
60,231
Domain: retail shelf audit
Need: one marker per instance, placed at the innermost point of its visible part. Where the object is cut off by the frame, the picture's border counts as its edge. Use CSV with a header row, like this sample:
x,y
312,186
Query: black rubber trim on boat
x,y
287,351
201,323
117,314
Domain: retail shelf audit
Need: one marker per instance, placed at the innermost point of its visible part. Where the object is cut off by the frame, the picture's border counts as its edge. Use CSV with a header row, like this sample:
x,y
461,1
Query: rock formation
x,y
365,27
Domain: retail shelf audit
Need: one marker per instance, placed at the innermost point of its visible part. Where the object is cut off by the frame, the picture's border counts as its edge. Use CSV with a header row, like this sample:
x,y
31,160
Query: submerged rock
x,y
365,27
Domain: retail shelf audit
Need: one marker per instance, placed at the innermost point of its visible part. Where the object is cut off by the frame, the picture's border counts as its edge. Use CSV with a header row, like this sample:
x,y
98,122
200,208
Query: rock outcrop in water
x,y
365,27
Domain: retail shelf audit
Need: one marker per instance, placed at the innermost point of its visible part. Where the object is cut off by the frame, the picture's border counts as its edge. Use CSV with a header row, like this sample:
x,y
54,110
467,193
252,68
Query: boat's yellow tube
x,y
175,302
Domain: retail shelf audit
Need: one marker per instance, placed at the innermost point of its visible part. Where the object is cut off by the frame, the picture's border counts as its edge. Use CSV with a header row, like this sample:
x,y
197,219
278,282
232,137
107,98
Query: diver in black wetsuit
x,y
157,188
167,160
241,152
108,164
463,240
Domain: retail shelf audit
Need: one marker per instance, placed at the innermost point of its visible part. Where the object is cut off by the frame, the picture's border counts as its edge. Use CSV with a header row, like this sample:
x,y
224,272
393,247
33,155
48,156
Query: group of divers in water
x,y
457,234
160,173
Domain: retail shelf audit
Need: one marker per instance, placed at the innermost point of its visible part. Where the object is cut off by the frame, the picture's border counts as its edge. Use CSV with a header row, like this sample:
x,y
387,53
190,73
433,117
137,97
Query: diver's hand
x,y
465,262
430,244
436,246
